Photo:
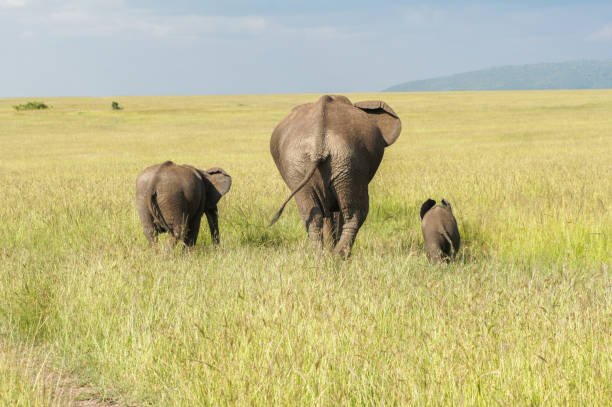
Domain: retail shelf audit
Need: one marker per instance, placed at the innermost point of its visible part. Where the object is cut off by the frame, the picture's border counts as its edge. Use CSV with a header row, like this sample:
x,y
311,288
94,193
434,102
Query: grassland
x,y
523,317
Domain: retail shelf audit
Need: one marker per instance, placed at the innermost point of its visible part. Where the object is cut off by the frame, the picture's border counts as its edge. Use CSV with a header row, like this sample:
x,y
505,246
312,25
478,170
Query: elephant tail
x,y
157,214
311,172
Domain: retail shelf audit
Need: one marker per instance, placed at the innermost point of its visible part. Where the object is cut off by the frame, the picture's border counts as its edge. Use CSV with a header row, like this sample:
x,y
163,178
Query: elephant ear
x,y
386,119
447,204
220,183
426,207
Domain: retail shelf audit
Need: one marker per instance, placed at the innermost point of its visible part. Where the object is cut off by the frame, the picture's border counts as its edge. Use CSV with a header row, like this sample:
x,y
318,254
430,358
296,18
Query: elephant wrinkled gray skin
x,y
172,198
327,152
439,230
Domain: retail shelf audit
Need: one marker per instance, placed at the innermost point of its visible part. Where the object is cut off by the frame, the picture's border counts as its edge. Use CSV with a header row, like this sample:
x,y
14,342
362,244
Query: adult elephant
x,y
327,152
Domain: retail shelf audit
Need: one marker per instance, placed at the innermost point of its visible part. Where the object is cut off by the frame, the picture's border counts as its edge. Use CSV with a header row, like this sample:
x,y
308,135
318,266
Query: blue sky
x,y
138,47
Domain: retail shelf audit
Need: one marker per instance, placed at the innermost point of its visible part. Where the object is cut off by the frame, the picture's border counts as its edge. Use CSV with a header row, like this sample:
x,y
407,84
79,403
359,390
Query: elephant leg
x,y
328,231
191,235
149,229
338,222
332,226
212,216
314,226
312,216
354,204
179,228
176,235
434,254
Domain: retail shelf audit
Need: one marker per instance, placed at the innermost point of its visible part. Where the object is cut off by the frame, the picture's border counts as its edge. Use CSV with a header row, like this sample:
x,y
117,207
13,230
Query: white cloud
x,y
326,33
604,34
424,15
12,3
202,25
115,17
69,16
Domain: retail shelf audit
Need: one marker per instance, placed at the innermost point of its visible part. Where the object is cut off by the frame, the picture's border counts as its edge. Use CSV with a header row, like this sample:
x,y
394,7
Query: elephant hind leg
x,y
179,229
314,226
312,215
354,206
148,227
332,228
193,229
434,255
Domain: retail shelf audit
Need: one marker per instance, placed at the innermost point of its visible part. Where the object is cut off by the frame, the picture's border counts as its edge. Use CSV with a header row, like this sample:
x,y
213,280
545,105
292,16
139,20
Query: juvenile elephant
x,y
327,152
439,230
172,198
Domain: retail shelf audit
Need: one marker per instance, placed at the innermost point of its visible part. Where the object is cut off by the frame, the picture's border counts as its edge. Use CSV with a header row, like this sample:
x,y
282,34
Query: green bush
x,y
31,106
115,106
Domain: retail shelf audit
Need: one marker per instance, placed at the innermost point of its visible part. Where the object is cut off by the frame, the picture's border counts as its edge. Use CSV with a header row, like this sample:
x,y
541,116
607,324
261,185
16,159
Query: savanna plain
x,y
523,316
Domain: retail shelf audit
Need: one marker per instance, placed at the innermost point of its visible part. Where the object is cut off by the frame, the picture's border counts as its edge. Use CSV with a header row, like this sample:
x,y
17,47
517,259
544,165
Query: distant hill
x,y
563,75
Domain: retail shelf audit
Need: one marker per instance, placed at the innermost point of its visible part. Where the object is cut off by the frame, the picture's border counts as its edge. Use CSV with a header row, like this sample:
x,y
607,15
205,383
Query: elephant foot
x,y
316,243
343,251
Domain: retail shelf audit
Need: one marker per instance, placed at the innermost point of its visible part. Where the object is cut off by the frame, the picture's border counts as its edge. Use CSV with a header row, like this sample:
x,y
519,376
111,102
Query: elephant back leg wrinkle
x,y
312,215
149,228
354,207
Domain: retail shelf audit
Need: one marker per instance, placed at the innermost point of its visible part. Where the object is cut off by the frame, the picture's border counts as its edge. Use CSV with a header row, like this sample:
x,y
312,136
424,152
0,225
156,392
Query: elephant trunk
x,y
309,175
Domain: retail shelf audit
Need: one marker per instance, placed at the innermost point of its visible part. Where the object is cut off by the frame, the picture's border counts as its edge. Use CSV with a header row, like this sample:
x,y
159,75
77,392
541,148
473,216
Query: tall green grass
x,y
24,381
523,316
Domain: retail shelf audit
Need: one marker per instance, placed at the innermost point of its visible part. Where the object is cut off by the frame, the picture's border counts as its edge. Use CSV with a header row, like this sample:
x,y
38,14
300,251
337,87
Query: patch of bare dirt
x,y
58,387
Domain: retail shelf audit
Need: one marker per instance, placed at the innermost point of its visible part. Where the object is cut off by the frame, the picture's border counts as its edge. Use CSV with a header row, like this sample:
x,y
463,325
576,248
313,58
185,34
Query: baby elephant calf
x,y
439,230
172,198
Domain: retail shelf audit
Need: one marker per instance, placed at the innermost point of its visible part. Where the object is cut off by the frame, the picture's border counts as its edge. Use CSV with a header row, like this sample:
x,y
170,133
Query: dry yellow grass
x,y
522,317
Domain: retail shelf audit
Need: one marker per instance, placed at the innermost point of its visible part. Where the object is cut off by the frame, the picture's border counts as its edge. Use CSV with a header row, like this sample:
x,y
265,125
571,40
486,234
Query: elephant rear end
x,y
327,153
440,232
167,197
144,191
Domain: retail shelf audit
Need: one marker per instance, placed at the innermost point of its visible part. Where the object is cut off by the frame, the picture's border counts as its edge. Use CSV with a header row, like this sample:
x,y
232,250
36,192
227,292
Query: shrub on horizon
x,y
31,106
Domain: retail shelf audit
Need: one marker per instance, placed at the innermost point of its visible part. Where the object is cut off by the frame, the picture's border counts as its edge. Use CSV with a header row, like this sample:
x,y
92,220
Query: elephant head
x,y
218,183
